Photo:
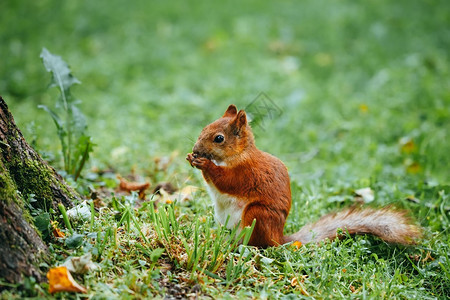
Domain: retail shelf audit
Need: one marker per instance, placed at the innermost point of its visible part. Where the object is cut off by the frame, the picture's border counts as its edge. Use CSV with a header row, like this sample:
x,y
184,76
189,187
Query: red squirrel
x,y
246,183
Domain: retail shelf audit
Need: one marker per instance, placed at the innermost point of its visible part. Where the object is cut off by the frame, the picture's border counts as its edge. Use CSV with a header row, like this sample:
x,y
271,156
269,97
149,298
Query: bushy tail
x,y
393,226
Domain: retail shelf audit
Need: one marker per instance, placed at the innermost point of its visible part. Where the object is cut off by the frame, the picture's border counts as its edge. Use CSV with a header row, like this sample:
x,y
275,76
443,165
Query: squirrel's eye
x,y
219,139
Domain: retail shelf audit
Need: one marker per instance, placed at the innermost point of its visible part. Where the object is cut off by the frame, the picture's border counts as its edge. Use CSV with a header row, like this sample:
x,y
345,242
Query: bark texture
x,y
24,172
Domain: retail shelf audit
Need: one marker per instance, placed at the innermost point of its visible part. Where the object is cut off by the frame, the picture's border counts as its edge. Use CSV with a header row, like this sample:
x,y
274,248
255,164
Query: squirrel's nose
x,y
196,148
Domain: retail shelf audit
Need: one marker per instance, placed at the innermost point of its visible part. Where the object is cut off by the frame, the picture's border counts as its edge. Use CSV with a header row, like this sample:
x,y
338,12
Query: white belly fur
x,y
225,206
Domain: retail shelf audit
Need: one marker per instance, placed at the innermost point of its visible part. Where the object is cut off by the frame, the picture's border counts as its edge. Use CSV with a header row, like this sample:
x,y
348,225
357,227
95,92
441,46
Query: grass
x,y
364,93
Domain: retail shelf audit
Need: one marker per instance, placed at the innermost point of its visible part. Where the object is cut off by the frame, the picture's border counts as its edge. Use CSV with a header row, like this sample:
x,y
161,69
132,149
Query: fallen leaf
x,y
130,186
98,203
167,186
407,145
294,281
352,288
428,257
413,168
415,257
56,231
366,194
165,197
185,194
60,280
81,211
297,244
80,264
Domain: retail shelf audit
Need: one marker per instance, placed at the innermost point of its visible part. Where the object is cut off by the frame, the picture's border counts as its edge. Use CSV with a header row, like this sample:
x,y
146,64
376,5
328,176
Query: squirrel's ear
x,y
241,118
231,111
239,122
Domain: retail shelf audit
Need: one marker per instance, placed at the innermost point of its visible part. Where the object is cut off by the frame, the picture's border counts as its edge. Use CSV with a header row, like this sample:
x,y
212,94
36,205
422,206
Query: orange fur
x,y
257,183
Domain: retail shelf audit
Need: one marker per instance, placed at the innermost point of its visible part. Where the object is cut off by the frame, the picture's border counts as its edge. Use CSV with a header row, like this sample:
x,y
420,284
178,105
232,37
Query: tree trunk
x,y
22,173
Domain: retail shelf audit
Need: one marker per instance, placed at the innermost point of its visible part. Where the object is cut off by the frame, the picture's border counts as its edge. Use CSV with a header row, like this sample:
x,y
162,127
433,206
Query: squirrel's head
x,y
225,138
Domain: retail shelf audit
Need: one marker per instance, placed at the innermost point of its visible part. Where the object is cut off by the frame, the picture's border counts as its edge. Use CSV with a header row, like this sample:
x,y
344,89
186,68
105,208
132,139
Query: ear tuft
x,y
231,111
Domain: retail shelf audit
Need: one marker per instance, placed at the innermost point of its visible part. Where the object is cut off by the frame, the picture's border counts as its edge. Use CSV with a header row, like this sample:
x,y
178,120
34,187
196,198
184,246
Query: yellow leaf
x,y
60,280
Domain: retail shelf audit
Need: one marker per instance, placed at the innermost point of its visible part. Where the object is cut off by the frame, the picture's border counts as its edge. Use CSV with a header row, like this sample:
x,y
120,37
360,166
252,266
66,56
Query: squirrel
x,y
246,183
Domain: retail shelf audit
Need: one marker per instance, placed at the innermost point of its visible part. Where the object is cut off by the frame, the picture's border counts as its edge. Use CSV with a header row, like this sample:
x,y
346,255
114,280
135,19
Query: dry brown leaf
x,y
60,280
130,186
294,281
56,232
98,203
166,186
428,257
299,285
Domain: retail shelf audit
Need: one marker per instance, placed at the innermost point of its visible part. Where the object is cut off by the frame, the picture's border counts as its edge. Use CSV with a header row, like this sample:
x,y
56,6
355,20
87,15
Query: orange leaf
x,y
56,232
297,244
130,186
60,280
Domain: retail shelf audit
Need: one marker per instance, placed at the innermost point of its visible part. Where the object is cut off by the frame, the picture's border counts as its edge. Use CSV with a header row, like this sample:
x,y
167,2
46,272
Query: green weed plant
x,y
70,122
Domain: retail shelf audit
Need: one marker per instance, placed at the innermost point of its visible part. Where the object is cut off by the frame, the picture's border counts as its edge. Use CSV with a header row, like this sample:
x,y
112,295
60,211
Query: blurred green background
x,y
363,86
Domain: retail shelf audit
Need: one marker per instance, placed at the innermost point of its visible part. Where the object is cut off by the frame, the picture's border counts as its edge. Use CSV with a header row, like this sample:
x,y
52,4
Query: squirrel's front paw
x,y
197,161
201,163
190,158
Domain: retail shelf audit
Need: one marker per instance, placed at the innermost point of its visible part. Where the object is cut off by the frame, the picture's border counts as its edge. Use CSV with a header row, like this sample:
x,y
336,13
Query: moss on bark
x,y
7,187
32,178
23,172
